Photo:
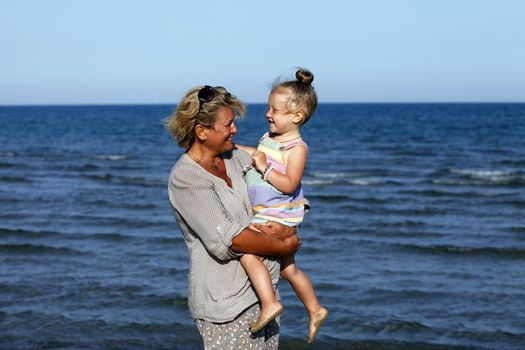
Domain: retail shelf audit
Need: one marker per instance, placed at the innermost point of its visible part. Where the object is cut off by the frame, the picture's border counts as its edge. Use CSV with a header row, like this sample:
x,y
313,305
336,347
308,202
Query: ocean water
x,y
415,240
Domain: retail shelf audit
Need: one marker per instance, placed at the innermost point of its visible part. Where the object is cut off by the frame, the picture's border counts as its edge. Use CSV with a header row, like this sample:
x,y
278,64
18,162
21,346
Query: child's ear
x,y
298,117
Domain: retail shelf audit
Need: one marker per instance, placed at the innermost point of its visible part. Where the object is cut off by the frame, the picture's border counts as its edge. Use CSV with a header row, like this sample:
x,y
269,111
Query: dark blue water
x,y
415,240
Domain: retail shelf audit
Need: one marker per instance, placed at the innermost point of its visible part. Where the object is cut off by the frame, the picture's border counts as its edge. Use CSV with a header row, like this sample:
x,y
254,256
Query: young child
x,y
274,184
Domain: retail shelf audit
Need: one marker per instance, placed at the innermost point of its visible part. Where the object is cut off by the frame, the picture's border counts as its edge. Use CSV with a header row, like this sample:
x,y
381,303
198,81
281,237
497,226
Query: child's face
x,y
280,119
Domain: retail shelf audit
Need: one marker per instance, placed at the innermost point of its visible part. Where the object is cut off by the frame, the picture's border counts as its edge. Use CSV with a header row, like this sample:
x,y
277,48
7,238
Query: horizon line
x,y
94,104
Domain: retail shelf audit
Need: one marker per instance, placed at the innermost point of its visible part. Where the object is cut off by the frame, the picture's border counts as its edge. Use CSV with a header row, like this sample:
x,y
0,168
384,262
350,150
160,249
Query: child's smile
x,y
279,118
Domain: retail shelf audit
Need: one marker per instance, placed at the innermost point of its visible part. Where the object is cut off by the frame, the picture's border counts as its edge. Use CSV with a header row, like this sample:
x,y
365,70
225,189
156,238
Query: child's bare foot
x,y
316,320
266,316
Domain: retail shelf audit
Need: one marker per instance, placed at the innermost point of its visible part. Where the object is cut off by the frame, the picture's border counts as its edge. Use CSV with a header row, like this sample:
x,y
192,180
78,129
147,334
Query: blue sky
x,y
118,51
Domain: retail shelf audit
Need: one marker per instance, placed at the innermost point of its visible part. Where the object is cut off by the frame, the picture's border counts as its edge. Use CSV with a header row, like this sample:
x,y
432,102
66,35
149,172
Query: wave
x,y
6,165
26,248
167,301
49,330
353,182
144,181
514,163
495,177
452,338
419,211
7,154
515,203
166,240
360,182
349,174
483,174
503,252
353,209
117,221
397,333
111,157
405,326
15,179
516,229
374,182
337,175
117,204
389,234
404,223
443,193
336,343
317,182
499,339
11,201
84,167
407,153
371,177
6,232
379,295
99,177
329,198
451,183
112,237
34,235
126,166
128,180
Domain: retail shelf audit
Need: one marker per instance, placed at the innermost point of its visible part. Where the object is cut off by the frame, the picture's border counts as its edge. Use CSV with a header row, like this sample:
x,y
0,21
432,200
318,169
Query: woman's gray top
x,y
210,214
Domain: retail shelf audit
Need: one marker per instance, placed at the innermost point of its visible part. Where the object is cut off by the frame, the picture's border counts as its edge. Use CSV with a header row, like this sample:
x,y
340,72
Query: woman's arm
x,y
295,163
275,240
190,191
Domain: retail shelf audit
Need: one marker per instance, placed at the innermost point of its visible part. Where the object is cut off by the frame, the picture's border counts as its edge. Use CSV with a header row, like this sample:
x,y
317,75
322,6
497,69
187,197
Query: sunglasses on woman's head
x,y
205,95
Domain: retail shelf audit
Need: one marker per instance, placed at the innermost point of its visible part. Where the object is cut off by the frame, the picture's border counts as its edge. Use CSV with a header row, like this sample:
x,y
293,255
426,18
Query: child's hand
x,y
259,158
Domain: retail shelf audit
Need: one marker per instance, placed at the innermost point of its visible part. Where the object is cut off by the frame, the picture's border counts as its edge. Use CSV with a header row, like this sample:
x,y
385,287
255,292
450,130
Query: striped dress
x,y
268,203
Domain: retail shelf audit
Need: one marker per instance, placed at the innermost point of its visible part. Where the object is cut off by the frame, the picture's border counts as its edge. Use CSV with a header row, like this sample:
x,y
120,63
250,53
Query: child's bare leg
x,y
305,291
262,282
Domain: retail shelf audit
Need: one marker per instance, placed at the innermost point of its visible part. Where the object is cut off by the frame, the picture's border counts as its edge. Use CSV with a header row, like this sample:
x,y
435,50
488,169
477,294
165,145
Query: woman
x,y
213,210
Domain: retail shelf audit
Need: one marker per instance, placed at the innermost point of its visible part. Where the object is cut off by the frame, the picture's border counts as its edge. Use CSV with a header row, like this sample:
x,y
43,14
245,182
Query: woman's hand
x,y
286,234
267,239
276,230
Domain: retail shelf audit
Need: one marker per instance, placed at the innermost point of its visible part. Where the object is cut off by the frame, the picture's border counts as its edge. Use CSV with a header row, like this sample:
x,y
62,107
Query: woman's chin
x,y
228,145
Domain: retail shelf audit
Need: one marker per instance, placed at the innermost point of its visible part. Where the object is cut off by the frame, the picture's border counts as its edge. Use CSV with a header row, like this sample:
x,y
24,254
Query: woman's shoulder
x,y
240,158
185,171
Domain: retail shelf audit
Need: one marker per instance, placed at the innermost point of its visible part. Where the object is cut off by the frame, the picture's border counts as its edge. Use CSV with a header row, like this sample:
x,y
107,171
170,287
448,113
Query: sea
x,y
415,238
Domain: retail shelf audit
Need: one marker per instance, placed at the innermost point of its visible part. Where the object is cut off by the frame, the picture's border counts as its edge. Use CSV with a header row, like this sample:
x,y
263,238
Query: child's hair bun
x,y
304,76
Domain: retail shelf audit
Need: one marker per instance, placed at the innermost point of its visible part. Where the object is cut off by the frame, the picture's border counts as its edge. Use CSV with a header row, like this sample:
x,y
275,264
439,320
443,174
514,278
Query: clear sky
x,y
126,51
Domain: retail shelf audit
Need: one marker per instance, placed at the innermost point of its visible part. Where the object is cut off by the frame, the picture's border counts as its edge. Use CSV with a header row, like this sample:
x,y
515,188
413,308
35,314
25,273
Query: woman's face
x,y
221,136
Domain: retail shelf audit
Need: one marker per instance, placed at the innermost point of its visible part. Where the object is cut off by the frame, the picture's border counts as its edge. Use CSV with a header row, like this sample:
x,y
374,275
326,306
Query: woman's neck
x,y
209,161
202,153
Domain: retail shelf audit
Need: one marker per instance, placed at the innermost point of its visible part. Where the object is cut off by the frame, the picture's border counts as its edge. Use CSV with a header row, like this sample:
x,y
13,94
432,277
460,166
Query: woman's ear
x,y
200,132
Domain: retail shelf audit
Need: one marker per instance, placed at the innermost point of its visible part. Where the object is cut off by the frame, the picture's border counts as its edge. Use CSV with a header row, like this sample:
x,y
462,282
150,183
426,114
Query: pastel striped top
x,y
268,203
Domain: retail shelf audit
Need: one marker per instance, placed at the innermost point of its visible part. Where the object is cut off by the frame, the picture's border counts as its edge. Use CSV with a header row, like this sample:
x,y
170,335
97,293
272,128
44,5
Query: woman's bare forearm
x,y
276,230
254,242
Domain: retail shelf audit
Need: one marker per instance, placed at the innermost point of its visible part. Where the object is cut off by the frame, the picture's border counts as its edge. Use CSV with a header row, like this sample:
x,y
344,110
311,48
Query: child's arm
x,y
246,148
295,163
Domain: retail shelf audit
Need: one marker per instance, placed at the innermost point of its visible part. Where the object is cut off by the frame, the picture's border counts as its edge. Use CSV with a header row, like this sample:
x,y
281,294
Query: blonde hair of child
x,y
302,95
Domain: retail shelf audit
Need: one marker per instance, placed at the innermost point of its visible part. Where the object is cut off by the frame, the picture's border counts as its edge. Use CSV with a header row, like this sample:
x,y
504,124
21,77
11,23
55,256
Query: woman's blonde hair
x,y
302,94
191,112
